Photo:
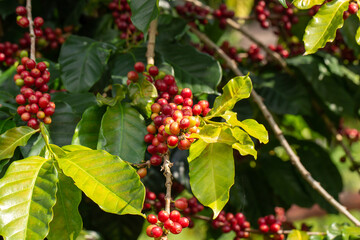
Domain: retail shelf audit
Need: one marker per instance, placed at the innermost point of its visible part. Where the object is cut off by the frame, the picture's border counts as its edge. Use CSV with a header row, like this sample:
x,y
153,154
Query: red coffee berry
x,y
147,138
41,66
168,224
139,67
29,81
30,64
197,109
226,229
206,111
21,11
33,99
49,111
188,102
43,102
21,110
34,108
157,232
172,141
184,222
155,160
23,22
163,216
47,120
25,116
38,32
175,216
151,218
176,229
40,115
20,69
153,71
274,227
35,73
20,99
353,8
142,172
38,22
44,88
186,93
162,148
169,80
33,123
173,90
181,203
184,144
264,228
151,129
204,104
149,230
184,123
133,76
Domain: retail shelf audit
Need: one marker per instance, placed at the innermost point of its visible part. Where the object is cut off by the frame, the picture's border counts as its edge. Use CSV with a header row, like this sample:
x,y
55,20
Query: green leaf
x,y
283,2
8,73
245,145
306,4
236,89
142,95
67,222
349,31
110,182
63,124
122,133
316,237
27,195
357,36
251,126
88,129
79,102
119,91
143,12
297,235
13,138
82,62
351,233
72,148
335,231
215,134
212,174
6,125
197,71
322,27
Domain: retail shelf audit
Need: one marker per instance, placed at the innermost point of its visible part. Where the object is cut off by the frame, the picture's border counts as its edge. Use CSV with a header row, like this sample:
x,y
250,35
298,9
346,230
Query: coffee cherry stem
x,y
31,29
168,183
146,164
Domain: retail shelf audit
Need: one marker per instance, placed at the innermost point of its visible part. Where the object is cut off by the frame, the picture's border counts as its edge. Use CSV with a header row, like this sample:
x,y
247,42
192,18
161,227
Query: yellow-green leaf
x,y
215,134
109,181
212,173
298,235
252,127
236,89
322,27
27,195
245,145
306,4
13,138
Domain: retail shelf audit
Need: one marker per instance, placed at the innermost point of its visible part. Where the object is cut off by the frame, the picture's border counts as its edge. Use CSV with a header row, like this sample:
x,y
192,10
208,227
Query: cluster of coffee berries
x,y
254,53
262,14
230,51
165,222
339,48
352,9
35,105
351,133
229,222
121,13
287,15
269,224
189,206
193,13
22,19
175,116
222,13
8,53
279,49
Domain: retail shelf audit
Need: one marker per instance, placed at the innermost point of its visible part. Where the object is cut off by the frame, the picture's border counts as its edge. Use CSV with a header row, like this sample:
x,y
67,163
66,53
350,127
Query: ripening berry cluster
x,y
280,50
254,53
193,13
229,222
230,51
121,13
222,14
175,116
22,19
269,224
34,101
166,222
8,53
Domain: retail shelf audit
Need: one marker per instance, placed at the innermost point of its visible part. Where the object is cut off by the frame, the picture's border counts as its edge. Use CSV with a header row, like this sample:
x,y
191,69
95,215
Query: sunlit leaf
x,y
306,4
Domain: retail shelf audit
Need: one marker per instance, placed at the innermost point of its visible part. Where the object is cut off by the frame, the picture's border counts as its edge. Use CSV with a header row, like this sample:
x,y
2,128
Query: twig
x,y
150,53
31,28
142,165
295,160
168,183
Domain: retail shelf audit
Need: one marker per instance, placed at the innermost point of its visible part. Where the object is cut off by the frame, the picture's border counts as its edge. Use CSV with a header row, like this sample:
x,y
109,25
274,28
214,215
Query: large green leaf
x,y
13,138
236,89
142,95
297,235
67,222
283,2
122,133
6,125
63,124
212,174
88,129
27,195
197,71
306,4
79,102
110,182
251,126
244,144
82,62
143,12
322,27
8,73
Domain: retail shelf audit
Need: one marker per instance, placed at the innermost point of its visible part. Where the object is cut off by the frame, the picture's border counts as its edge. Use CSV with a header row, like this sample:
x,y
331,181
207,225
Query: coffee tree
x,y
144,117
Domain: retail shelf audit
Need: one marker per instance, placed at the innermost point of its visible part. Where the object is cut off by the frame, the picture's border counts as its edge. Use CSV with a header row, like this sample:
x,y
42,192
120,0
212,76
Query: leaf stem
x,y
295,160
31,28
46,139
